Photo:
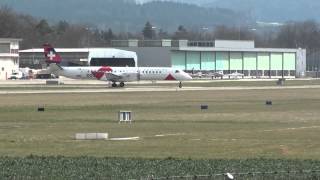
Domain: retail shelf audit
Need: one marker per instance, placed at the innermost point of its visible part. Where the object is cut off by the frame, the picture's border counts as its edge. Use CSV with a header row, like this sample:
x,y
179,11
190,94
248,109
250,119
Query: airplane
x,y
235,75
219,74
112,74
216,74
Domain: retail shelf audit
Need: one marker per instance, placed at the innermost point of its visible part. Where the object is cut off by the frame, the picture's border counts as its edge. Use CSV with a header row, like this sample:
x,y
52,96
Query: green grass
x,y
237,125
34,167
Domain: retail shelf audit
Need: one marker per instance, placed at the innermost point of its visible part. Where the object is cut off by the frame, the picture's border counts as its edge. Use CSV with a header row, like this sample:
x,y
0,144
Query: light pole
x,y
153,32
253,30
239,35
88,39
204,32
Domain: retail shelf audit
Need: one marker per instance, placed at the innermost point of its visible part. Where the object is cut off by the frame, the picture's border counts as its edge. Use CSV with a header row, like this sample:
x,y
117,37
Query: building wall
x,y
34,58
265,64
9,56
218,55
151,56
301,64
7,65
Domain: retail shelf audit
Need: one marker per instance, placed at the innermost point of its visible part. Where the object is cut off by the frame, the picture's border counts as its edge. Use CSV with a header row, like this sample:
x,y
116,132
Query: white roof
x,y
237,49
7,40
40,50
93,52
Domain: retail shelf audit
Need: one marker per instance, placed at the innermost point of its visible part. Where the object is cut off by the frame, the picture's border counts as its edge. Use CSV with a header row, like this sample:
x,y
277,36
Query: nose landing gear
x,y
180,84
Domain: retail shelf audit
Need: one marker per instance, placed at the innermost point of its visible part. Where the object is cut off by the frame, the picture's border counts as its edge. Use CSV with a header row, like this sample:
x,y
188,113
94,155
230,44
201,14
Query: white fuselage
x,y
124,74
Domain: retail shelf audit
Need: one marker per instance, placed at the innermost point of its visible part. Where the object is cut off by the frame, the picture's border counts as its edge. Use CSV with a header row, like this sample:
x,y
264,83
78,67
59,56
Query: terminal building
x,y
34,58
9,57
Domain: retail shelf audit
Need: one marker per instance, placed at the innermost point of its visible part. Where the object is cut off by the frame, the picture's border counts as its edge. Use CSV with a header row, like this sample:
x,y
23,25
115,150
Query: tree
x,y
61,27
163,34
147,31
181,33
8,21
108,35
43,27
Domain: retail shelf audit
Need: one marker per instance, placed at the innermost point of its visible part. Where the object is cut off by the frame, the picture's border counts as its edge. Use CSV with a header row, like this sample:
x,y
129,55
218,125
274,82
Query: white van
x,y
16,75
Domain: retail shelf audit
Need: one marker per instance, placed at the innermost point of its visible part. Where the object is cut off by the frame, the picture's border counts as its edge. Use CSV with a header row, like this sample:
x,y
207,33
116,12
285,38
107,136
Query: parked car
x,y
16,75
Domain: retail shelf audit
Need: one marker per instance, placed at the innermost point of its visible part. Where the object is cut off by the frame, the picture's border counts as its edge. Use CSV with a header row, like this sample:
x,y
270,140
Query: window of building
x,y
273,72
4,47
253,73
267,73
259,73
114,62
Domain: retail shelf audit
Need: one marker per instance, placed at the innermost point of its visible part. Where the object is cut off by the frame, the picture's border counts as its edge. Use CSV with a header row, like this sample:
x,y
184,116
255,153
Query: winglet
x,y
51,55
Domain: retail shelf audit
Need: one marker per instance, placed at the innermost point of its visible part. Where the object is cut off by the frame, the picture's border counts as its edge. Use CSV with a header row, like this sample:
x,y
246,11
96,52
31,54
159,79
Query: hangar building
x,y
9,56
241,57
219,55
34,58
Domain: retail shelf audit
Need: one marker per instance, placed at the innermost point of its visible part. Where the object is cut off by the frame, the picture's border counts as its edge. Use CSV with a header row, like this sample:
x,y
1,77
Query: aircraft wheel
x,y
121,84
180,85
114,84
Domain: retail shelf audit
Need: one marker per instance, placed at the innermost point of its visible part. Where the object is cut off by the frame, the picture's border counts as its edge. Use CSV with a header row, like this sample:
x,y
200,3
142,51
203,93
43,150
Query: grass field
x,y
34,167
237,125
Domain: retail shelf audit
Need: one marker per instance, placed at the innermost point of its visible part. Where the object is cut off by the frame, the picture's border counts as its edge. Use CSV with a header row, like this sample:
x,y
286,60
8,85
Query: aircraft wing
x,y
113,77
121,77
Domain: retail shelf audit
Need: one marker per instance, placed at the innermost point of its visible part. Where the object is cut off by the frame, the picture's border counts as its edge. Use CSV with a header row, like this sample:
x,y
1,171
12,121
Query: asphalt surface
x,y
91,86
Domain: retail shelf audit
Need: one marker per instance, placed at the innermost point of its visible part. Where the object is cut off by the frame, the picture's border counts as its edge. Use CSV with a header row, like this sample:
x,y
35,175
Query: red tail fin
x,y
51,55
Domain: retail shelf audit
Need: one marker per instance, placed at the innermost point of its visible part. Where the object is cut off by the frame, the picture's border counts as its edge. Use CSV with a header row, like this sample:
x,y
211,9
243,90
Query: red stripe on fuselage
x,y
170,78
101,71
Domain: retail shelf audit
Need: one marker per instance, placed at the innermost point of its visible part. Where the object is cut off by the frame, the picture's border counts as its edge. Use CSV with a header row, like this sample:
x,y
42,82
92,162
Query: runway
x,y
37,86
152,89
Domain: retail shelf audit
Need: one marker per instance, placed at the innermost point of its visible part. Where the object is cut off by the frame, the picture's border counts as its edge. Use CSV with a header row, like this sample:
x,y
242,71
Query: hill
x,y
125,15
265,10
275,10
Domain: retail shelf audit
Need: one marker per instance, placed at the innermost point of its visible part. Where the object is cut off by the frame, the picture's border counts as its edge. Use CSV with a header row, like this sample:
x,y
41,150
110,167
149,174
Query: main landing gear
x,y
114,84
